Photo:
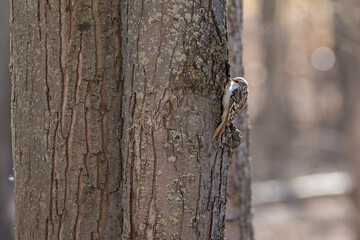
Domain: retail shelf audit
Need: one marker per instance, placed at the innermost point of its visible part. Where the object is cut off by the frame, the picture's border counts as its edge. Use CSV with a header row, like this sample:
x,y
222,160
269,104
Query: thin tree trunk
x,y
113,108
346,24
6,188
239,208
274,115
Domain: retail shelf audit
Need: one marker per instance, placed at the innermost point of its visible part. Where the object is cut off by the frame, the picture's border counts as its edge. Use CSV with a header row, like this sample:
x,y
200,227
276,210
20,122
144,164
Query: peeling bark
x,y
113,107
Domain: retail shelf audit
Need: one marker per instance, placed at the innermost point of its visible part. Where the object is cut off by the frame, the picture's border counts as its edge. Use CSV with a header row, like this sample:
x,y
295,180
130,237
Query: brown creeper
x,y
233,102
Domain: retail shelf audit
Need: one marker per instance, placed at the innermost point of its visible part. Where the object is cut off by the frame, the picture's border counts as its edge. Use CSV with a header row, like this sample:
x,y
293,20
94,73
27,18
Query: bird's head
x,y
241,81
243,85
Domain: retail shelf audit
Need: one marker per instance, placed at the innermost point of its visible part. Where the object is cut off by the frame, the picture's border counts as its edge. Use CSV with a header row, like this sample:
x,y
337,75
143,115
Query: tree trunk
x,y
6,188
346,24
275,112
113,107
239,209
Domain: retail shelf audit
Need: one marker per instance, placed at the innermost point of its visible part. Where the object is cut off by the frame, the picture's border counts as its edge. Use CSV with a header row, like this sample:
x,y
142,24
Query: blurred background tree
x,y
6,187
297,110
238,206
347,51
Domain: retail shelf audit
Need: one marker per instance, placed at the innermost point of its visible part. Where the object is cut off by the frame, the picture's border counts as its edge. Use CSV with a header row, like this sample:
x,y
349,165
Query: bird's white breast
x,y
227,95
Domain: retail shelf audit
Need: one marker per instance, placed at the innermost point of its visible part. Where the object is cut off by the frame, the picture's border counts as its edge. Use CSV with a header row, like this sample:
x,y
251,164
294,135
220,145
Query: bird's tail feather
x,y
220,129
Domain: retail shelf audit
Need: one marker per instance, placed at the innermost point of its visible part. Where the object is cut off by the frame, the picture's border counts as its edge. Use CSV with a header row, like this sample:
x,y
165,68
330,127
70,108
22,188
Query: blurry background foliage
x,y
301,59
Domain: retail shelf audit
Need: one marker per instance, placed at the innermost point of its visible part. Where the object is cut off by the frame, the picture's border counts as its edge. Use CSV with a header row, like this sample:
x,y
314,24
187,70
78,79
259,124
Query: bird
x,y
234,100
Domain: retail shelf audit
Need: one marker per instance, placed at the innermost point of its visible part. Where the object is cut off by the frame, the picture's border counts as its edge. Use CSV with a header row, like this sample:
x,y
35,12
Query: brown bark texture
x,y
113,107
239,208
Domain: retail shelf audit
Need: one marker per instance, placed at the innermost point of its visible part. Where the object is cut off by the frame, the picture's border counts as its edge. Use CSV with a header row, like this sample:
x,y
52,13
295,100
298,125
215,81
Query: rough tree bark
x,y
113,108
239,208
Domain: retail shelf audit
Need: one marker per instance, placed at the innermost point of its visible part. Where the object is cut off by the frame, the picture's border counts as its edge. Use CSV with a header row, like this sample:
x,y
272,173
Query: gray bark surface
x,y
239,205
113,107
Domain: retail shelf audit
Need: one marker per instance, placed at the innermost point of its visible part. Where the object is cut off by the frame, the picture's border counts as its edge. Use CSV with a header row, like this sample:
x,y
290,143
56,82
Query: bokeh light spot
x,y
323,58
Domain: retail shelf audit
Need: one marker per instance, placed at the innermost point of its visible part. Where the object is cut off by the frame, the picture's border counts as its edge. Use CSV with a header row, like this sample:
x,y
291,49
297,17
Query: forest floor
x,y
325,218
